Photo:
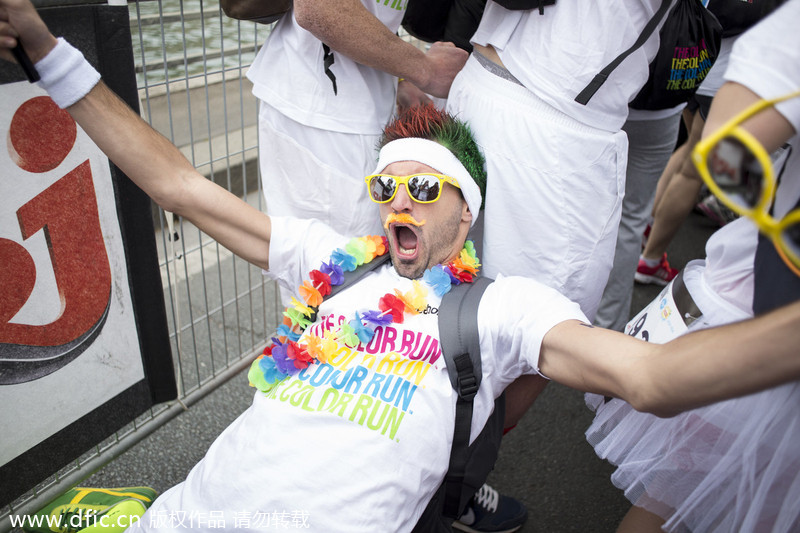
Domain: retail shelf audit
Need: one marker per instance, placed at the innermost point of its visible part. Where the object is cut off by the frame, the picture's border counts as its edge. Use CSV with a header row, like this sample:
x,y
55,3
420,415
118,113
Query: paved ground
x,y
545,461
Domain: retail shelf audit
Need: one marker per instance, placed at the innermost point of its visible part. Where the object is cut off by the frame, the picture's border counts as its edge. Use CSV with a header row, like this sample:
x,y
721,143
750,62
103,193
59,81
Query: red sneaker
x,y
661,274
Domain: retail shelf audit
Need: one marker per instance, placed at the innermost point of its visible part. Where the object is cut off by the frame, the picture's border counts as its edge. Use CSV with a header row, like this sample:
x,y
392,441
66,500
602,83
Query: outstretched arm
x,y
688,372
143,154
348,28
160,169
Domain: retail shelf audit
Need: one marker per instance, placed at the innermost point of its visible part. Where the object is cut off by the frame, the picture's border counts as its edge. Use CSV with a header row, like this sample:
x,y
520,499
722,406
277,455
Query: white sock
x,y
650,262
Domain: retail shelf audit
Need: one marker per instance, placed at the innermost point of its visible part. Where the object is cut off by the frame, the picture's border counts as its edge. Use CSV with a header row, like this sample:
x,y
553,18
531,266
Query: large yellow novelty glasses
x,y
423,188
738,170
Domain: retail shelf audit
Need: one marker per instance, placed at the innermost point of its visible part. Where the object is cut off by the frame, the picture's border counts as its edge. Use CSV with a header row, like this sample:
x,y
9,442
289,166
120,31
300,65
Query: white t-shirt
x,y
557,54
360,444
288,74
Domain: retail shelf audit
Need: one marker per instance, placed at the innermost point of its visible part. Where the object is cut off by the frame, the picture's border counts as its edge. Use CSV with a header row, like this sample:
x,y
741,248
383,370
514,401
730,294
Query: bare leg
x,y
675,161
672,168
637,520
678,199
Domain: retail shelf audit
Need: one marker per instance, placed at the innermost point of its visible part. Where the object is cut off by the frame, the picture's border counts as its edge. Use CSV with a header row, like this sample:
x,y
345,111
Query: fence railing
x,y
190,62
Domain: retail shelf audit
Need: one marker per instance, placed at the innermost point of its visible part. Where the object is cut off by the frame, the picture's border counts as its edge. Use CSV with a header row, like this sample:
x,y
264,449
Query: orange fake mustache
x,y
402,218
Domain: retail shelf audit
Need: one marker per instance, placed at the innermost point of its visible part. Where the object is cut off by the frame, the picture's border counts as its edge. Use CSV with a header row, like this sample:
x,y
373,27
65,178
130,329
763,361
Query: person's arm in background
x,y
769,126
462,20
143,154
409,95
348,28
693,370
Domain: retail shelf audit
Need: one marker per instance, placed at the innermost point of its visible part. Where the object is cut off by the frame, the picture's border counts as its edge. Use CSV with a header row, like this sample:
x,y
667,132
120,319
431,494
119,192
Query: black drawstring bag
x,y
444,20
736,16
689,46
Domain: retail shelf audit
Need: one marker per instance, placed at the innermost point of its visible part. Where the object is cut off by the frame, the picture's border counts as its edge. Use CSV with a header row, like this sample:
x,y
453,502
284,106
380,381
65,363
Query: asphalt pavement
x,y
545,461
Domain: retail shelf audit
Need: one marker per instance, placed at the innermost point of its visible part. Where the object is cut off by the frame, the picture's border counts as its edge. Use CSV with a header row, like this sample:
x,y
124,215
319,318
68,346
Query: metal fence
x,y
190,65
191,62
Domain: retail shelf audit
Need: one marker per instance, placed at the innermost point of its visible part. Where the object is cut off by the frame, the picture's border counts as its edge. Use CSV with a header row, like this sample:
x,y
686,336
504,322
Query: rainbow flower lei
x,y
285,357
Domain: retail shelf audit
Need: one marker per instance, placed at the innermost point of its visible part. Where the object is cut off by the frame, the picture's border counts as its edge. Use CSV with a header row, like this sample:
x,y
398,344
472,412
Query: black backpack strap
x,y
458,337
360,271
601,77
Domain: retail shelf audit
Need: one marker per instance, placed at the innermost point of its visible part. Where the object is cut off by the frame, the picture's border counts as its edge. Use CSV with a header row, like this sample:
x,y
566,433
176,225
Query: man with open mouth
x,y
351,427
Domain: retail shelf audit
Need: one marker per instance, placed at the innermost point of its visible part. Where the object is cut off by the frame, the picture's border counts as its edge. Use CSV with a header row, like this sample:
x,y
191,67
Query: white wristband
x,y
65,74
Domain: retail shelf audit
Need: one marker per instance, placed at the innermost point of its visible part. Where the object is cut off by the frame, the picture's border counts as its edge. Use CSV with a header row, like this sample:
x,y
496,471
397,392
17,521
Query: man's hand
x,y
446,60
409,95
20,23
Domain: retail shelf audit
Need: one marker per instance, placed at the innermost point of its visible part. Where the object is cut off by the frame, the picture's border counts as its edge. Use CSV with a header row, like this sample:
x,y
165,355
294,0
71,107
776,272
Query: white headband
x,y
435,156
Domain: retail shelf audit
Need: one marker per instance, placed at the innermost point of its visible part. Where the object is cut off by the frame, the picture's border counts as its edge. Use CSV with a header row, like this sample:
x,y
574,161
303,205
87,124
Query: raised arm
x,y
143,154
691,371
348,28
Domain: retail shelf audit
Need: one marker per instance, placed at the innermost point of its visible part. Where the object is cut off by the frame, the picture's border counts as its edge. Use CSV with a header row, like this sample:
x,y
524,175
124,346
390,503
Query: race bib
x,y
668,316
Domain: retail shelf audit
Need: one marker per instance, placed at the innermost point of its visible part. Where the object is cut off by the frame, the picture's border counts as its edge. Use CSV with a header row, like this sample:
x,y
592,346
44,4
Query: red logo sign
x,y
40,137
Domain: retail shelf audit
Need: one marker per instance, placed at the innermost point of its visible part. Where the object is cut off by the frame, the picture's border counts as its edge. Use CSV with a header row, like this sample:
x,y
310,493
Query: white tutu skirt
x,y
730,467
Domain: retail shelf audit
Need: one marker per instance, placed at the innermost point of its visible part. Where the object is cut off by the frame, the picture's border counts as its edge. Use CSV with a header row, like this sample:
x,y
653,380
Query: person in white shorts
x,y
556,168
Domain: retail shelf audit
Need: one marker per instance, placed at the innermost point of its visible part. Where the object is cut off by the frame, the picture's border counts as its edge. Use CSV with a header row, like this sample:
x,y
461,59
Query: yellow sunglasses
x,y
424,188
737,169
